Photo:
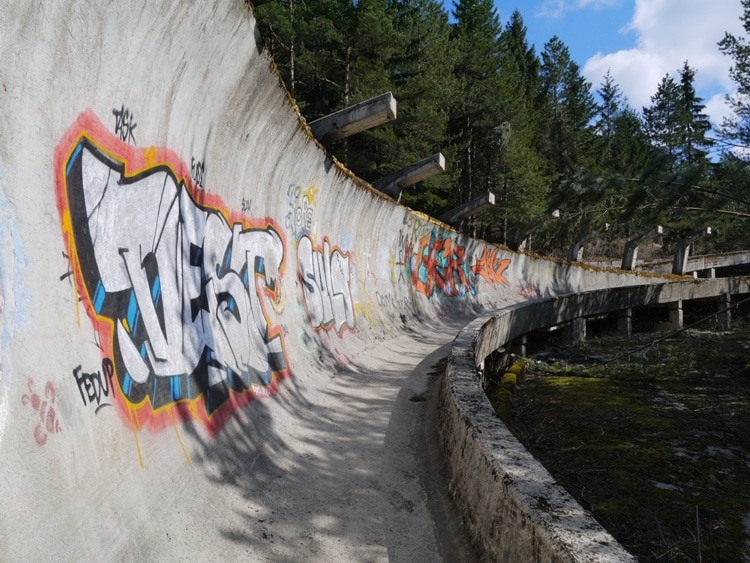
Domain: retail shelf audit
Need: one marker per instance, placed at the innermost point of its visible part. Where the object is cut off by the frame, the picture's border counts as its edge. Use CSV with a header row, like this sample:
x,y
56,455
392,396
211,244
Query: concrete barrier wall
x,y
513,508
180,262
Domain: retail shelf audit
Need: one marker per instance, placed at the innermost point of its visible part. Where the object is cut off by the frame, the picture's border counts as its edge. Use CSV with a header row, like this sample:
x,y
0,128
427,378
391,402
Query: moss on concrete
x,y
657,447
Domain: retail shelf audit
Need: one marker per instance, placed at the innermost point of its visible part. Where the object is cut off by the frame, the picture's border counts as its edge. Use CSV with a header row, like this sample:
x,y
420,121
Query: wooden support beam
x,y
393,183
468,209
354,119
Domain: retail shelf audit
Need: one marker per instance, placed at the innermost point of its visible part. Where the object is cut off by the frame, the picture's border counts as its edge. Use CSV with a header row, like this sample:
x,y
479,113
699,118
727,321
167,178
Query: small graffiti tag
x,y
94,386
300,205
198,172
124,124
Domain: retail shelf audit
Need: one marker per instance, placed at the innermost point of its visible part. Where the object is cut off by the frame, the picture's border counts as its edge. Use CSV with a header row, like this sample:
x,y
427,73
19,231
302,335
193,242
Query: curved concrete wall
x,y
512,507
180,261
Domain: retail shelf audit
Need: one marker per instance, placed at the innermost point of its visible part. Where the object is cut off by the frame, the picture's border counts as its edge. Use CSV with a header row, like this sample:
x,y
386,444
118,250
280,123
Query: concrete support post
x,y
724,318
625,321
354,119
575,252
575,332
630,256
682,252
675,314
468,209
393,184
518,346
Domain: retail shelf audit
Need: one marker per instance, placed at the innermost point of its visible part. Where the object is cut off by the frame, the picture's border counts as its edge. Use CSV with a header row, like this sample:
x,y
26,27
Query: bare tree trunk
x,y
347,95
291,50
469,172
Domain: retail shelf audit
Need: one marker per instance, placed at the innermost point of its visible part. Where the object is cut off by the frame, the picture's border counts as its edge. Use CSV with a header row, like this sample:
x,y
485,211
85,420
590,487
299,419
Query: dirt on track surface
x,y
656,447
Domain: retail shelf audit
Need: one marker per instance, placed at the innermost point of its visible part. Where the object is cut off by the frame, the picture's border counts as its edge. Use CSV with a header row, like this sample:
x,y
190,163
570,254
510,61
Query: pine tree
x,y
676,127
519,58
334,53
567,106
619,131
520,186
599,194
422,82
609,110
566,140
676,123
736,128
473,123
694,124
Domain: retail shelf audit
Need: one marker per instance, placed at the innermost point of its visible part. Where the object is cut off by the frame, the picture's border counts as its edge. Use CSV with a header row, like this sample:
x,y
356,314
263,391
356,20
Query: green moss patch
x,y
656,444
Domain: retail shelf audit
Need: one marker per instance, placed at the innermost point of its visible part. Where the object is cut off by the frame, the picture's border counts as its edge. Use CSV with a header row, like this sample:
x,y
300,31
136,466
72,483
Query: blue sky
x,y
638,41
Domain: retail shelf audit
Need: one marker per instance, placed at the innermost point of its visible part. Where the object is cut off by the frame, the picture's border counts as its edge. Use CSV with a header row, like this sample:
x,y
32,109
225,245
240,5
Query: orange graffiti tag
x,y
490,268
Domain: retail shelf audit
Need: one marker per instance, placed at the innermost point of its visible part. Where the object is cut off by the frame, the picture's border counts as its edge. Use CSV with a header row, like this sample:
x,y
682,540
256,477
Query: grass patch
x,y
655,444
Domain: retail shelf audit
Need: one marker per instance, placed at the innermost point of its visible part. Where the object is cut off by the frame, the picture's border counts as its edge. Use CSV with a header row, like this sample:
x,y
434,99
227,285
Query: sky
x,y
638,41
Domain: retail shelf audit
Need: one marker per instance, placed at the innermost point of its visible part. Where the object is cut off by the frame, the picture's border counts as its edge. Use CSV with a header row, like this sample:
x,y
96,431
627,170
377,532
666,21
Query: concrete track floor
x,y
351,473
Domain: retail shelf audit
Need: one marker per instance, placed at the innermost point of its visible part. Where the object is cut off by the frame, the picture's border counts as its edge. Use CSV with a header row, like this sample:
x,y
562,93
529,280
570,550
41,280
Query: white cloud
x,y
717,108
670,32
596,3
552,9
556,9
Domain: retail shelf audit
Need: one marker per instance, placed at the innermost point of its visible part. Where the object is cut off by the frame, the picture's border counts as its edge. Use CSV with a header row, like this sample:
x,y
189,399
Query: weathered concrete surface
x,y
207,323
694,263
511,505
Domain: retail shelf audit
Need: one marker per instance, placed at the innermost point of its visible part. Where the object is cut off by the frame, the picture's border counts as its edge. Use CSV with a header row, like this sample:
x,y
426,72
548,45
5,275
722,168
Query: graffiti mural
x,y
326,285
440,266
490,268
176,285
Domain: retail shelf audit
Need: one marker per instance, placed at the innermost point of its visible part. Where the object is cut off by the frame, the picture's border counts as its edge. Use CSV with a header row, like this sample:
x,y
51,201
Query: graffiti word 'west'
x,y
184,289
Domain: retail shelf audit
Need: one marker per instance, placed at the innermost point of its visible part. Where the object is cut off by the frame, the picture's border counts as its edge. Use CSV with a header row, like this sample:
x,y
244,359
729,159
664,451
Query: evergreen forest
x,y
563,157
